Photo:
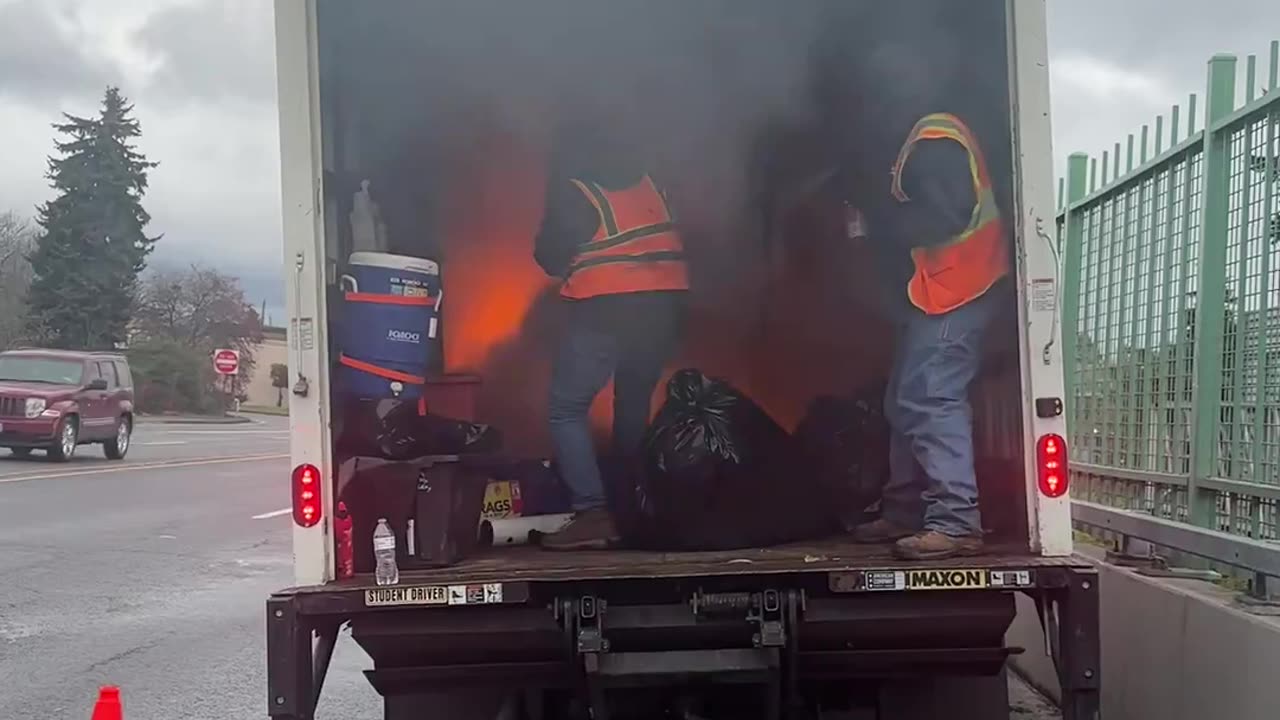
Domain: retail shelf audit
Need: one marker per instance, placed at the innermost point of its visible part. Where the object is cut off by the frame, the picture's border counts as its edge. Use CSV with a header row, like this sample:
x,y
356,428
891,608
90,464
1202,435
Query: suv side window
x,y
122,372
92,372
108,371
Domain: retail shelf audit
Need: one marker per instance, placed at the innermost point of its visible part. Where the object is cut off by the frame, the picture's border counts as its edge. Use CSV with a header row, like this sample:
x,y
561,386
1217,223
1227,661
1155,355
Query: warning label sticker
x,y
886,580
1044,295
486,594
492,593
1011,578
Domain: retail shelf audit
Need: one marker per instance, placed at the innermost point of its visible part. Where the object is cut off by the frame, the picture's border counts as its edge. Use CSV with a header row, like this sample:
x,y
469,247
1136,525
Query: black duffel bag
x,y
395,430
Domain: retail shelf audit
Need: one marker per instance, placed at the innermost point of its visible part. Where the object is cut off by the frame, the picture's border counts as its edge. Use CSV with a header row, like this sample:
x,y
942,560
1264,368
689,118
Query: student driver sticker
x,y
387,596
486,594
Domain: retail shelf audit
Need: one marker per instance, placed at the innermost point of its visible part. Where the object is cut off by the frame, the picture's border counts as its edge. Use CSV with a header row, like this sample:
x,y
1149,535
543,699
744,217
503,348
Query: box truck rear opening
x,y
452,113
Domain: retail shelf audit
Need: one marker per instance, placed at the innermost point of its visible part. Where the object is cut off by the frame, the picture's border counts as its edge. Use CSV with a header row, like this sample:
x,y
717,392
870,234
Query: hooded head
x,y
596,146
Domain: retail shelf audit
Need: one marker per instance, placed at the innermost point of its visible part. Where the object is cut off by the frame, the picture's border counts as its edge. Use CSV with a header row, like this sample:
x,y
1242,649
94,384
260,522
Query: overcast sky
x,y
200,73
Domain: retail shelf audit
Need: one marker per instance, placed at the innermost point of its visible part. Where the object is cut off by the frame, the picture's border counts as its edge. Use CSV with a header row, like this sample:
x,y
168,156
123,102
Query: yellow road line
x,y
143,466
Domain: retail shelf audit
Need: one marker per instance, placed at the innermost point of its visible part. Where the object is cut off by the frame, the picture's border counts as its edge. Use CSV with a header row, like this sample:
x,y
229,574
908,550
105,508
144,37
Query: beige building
x,y
274,349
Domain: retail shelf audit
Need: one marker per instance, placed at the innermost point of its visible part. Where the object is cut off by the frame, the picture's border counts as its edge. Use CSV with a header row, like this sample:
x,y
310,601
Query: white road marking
x,y
164,442
102,470
227,432
273,513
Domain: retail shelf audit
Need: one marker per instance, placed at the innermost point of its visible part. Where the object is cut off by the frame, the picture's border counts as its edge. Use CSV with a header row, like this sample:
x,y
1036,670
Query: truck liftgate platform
x,y
784,630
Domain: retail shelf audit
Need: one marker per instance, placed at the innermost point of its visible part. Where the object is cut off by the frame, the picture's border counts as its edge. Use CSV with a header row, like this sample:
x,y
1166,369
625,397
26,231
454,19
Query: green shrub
x,y
170,377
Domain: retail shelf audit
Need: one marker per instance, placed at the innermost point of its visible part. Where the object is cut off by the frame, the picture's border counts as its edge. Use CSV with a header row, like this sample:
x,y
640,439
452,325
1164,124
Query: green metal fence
x,y
1172,286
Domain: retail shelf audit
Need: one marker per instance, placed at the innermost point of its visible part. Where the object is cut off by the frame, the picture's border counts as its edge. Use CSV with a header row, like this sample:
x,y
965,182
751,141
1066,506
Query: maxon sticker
x,y
927,579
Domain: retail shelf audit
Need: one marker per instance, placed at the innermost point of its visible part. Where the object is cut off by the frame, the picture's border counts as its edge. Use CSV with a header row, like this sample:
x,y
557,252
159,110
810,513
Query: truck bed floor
x,y
526,563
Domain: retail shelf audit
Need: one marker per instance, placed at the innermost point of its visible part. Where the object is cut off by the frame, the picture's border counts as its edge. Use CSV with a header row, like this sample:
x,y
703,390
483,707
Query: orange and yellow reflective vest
x,y
950,275
635,249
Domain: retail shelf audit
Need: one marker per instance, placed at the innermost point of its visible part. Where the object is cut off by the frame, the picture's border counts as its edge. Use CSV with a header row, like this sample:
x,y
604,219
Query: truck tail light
x,y
1051,465
306,495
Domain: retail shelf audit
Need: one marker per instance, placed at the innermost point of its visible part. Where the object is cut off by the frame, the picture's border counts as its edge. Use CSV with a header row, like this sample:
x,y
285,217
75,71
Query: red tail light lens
x,y
1051,461
306,495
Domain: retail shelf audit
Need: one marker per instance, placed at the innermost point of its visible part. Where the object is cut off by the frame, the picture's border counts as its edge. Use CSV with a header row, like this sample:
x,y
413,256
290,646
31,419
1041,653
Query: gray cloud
x,y
39,56
1117,64
213,50
1167,36
201,76
206,49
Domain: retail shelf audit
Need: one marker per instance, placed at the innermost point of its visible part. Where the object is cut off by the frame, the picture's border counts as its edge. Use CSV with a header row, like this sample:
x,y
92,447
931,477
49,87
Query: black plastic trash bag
x,y
394,430
718,473
845,440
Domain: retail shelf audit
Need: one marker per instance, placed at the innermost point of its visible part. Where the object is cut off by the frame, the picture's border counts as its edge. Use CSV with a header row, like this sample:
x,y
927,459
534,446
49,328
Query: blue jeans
x,y
633,352
932,484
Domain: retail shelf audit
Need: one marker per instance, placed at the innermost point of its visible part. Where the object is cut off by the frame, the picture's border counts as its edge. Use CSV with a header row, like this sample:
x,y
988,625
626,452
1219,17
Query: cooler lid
x,y
394,262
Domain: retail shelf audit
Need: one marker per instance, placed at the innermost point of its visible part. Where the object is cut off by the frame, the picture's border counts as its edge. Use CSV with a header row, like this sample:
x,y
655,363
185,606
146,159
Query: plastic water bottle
x,y
384,553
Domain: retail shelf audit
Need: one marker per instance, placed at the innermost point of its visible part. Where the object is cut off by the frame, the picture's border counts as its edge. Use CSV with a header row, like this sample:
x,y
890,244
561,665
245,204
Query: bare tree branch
x,y
17,238
200,308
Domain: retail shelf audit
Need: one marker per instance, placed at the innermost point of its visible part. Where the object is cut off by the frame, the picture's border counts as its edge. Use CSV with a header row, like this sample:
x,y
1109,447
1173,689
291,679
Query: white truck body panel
x,y
1041,331
302,176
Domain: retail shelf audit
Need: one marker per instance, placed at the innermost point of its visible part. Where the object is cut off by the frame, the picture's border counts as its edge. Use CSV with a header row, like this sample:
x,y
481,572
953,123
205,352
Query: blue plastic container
x,y
390,331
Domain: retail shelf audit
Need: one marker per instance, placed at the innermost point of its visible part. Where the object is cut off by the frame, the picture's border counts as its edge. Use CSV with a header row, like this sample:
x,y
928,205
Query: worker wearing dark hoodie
x,y
609,235
934,221
910,160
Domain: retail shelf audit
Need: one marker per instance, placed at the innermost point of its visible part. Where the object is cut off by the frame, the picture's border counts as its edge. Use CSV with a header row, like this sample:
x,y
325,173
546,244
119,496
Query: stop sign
x,y
226,362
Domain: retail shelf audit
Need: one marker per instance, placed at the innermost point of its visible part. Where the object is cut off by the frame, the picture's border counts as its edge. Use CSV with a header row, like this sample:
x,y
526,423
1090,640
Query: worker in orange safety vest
x,y
939,230
609,235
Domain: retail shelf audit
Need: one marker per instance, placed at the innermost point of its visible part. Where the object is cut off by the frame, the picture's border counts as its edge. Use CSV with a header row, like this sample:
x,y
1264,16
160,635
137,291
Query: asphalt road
x,y
152,573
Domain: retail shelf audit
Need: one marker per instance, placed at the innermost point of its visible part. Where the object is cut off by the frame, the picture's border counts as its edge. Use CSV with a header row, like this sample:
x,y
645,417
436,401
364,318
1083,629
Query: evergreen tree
x,y
93,245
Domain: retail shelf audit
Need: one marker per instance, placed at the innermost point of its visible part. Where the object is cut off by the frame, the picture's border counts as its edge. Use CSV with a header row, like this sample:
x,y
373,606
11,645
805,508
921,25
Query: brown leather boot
x,y
933,545
880,531
588,530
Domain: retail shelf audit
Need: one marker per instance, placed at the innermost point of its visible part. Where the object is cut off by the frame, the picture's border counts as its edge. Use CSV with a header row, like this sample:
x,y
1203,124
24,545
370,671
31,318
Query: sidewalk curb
x,y
191,420
256,413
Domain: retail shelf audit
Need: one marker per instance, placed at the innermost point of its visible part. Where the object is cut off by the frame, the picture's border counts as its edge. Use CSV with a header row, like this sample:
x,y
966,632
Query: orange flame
x,y
775,322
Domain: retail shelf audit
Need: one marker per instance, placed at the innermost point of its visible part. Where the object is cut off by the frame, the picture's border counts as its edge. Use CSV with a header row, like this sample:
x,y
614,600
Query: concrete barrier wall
x,y
1173,650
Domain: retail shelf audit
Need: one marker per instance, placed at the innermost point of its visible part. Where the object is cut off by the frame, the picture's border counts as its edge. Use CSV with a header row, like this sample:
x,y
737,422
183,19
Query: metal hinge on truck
x,y
771,618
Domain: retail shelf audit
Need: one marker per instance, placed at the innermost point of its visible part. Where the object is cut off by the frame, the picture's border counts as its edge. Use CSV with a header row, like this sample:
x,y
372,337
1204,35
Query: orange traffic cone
x,y
108,705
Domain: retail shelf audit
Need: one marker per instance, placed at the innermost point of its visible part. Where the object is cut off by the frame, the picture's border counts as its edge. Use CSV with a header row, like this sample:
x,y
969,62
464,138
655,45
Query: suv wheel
x,y
68,437
118,445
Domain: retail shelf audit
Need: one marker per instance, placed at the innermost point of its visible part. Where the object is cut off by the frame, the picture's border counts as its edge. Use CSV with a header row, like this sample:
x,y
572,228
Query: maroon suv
x,y
56,399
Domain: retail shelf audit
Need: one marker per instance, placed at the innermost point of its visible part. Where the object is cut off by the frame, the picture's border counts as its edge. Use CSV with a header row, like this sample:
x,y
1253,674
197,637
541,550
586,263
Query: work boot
x,y
880,531
588,530
933,545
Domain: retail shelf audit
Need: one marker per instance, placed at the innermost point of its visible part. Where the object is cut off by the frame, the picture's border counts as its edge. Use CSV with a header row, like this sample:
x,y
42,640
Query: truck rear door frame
x,y
1039,270
303,624
302,179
